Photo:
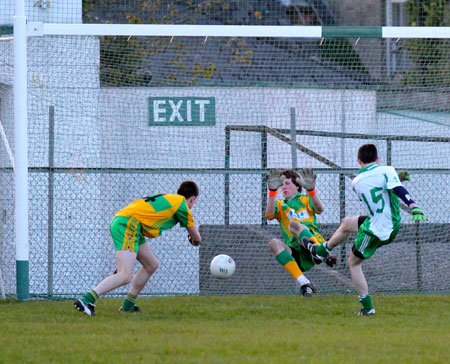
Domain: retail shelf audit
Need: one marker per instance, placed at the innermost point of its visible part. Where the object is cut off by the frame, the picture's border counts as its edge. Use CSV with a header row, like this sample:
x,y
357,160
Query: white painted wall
x,y
351,111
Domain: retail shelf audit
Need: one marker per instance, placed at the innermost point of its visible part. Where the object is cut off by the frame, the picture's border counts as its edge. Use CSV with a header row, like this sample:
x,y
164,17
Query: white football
x,y
222,266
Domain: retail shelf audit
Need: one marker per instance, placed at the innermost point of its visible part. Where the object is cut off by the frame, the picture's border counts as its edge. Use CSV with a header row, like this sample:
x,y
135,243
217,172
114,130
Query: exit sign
x,y
179,111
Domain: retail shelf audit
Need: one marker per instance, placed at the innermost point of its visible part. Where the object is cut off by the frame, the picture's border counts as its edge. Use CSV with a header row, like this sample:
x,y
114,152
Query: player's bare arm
x,y
194,236
317,203
270,206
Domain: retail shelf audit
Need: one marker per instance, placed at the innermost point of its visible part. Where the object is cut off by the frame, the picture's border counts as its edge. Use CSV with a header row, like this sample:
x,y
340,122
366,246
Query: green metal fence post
x,y
51,165
227,175
418,258
263,179
342,211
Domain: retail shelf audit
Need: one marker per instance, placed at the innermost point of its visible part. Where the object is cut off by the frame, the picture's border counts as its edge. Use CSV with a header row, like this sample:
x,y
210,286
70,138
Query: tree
x,y
429,56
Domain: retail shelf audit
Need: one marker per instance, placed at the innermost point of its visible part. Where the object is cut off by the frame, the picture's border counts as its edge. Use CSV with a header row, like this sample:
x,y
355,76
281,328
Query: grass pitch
x,y
231,330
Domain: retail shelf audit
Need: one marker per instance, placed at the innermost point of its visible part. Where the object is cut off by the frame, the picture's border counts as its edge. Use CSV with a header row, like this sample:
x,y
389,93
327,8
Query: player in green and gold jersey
x,y
296,215
147,217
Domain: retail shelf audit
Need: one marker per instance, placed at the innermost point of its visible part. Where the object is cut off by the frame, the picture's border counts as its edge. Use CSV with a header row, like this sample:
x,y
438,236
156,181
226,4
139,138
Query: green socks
x,y
366,302
284,257
129,302
322,250
286,260
306,233
90,297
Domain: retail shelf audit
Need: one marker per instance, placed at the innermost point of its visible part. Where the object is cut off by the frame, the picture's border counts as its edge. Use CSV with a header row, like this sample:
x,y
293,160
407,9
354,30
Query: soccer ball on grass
x,y
222,266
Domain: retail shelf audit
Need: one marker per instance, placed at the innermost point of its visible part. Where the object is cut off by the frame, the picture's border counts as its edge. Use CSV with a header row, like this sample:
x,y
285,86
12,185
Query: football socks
x,y
306,234
129,302
322,250
286,260
366,302
90,297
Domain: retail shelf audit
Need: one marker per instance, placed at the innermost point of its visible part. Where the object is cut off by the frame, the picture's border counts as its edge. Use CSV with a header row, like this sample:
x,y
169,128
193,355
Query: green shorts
x,y
126,233
366,243
301,255
303,258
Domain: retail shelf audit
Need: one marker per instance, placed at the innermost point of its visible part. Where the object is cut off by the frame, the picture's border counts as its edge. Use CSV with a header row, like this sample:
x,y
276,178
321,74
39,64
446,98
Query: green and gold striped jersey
x,y
299,208
158,213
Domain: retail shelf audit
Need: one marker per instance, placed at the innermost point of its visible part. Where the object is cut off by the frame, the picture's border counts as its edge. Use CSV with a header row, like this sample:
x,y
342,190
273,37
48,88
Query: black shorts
x,y
361,219
355,251
296,257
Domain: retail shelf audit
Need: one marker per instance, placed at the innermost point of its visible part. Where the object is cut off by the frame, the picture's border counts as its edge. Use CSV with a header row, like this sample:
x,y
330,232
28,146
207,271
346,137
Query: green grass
x,y
243,329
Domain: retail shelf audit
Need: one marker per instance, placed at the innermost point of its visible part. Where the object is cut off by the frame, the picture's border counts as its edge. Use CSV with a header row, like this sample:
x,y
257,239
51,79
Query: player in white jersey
x,y
375,187
379,188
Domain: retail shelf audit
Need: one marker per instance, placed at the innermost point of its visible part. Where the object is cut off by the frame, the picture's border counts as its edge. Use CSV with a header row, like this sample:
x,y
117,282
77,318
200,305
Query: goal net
x,y
7,164
114,118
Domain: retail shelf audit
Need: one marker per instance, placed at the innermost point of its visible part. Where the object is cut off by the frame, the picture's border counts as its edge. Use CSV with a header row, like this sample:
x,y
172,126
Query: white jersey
x,y
374,186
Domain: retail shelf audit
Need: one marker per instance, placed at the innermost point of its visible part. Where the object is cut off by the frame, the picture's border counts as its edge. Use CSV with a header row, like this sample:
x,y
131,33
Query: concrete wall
x,y
350,111
257,272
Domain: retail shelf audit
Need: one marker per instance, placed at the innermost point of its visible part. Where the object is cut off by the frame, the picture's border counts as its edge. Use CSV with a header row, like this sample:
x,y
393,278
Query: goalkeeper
x,y
296,215
379,188
147,217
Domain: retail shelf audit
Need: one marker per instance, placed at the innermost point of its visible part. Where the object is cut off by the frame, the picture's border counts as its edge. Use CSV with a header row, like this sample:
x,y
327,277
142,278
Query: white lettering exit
x,y
182,111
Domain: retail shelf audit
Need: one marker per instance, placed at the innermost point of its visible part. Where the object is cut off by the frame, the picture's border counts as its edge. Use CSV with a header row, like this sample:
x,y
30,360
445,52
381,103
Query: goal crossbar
x,y
42,29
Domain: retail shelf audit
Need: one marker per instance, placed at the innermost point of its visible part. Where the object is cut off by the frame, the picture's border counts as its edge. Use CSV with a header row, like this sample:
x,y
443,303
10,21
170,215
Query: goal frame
x,y
22,31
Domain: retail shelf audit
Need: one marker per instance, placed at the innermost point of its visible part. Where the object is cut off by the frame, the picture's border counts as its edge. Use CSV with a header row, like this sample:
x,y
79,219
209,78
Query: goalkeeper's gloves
x,y
417,215
404,175
275,180
331,261
307,179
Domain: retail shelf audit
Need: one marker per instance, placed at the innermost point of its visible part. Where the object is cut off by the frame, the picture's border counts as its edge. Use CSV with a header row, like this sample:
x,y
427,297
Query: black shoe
x,y
86,308
363,312
135,309
307,290
331,261
307,243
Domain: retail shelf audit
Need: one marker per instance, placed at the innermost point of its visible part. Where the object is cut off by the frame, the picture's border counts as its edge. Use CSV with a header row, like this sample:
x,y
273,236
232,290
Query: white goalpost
x,y
21,151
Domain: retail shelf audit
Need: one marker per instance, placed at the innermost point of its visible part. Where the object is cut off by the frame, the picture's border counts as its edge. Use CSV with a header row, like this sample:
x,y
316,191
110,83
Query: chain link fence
x,y
71,249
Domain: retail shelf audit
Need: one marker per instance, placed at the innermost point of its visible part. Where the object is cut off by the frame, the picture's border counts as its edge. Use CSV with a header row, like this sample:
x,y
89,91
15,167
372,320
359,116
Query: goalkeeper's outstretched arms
x,y
274,181
307,180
